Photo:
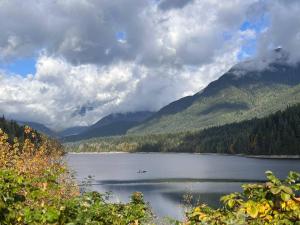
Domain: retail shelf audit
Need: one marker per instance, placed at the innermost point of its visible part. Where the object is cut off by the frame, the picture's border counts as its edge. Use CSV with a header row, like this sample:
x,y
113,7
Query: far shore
x,y
273,156
240,155
84,153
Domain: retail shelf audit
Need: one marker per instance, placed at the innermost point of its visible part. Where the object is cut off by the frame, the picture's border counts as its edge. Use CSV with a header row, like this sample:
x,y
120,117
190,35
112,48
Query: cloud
x,y
171,4
98,57
62,95
80,30
284,29
88,31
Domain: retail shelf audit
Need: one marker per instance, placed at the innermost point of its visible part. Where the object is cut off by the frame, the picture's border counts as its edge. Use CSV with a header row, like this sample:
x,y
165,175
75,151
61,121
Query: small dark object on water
x,y
142,171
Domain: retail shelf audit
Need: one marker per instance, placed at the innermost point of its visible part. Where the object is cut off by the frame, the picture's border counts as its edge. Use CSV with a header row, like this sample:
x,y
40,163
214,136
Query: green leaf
x,y
285,197
287,190
252,211
275,190
20,180
231,203
293,177
272,178
52,215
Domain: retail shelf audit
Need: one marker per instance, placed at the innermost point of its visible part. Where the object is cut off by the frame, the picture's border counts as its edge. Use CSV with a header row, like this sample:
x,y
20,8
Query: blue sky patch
x,y
258,25
247,50
23,66
227,35
121,36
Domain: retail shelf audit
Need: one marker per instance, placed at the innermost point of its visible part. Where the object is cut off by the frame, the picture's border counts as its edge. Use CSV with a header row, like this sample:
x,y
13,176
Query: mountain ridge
x,y
237,95
111,125
39,127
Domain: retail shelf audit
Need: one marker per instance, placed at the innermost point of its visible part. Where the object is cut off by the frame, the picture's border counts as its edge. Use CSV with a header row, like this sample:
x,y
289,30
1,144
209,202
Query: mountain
x,y
40,127
249,89
72,131
275,134
45,130
111,125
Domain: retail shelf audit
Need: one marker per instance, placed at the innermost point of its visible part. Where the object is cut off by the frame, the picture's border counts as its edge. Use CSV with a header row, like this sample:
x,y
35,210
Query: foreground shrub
x,y
91,208
36,188
274,202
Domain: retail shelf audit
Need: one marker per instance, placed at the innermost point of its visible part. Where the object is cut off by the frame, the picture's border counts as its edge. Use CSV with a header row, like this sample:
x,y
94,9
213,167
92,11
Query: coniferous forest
x,y
276,134
17,133
12,129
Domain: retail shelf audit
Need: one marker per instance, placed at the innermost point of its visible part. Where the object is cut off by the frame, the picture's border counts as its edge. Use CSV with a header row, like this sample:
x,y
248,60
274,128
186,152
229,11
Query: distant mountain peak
x,y
252,88
111,125
261,63
127,116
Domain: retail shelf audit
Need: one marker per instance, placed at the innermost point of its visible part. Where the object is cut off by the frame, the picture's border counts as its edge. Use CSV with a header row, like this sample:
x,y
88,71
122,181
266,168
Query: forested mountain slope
x,y
276,134
111,125
239,94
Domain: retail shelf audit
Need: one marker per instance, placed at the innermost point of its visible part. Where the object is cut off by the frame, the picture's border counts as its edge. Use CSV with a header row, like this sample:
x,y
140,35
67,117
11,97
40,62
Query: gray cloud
x,y
170,4
284,30
85,31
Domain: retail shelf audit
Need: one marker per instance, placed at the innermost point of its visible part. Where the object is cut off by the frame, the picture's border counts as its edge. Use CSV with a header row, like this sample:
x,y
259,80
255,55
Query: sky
x,y
66,63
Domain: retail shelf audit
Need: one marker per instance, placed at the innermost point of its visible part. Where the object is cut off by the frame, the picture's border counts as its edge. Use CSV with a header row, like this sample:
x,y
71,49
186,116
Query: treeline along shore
x,y
277,134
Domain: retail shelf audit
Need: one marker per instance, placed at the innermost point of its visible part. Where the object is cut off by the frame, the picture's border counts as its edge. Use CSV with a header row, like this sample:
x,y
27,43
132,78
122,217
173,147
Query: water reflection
x,y
171,199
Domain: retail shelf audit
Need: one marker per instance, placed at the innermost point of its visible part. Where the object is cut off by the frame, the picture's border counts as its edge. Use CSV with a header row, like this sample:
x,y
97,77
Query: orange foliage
x,y
38,160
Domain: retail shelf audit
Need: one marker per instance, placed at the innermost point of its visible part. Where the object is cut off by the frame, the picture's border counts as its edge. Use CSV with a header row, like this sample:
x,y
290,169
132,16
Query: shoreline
x,y
273,156
295,157
94,153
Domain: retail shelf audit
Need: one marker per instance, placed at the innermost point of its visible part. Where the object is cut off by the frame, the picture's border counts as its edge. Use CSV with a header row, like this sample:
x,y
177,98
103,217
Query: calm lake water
x,y
170,177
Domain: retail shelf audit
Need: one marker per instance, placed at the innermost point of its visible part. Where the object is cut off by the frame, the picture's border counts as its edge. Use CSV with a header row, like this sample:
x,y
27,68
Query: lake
x,y
171,182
